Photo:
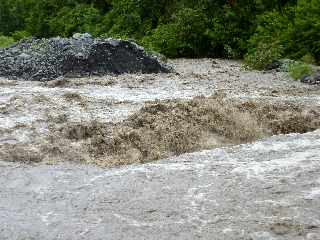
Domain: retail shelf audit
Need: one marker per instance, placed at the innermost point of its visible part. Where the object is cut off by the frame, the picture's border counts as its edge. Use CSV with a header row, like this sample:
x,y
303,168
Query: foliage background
x,y
258,30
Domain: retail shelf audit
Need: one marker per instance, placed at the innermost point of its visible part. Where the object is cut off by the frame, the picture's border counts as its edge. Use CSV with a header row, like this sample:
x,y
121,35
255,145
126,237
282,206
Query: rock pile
x,y
81,55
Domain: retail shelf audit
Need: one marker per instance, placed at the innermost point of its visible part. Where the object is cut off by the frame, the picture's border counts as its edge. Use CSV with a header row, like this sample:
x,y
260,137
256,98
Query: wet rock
x,y
317,77
81,55
313,79
306,79
274,65
281,65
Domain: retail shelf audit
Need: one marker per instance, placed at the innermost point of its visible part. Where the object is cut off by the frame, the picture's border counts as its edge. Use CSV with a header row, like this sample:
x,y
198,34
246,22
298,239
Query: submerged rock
x,y
81,55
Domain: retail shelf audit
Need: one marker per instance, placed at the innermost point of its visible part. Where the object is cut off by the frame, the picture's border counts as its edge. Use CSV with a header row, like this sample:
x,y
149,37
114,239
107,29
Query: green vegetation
x,y
184,36
6,41
263,55
293,32
298,70
260,31
309,59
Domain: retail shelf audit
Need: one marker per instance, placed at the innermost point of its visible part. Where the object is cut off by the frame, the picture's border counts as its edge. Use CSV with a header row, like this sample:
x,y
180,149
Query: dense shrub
x,y
263,55
19,35
231,27
306,32
261,30
13,14
270,40
81,18
298,70
6,41
309,59
186,35
132,18
293,32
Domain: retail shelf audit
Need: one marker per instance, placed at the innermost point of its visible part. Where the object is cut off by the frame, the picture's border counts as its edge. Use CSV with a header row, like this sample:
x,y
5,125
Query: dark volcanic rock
x,y
81,55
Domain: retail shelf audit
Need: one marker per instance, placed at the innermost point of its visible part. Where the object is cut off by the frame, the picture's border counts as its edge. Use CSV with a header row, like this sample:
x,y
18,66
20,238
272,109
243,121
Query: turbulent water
x,y
261,191
53,137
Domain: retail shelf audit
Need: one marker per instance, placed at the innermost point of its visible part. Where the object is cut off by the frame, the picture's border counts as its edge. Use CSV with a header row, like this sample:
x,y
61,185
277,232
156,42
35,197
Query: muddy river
x,y
211,151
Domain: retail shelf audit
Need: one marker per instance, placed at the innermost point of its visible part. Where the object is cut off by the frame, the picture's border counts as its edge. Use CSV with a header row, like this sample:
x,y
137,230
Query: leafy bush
x,y
81,18
231,27
295,30
132,18
298,70
18,35
270,40
309,59
6,41
306,33
263,55
185,36
263,30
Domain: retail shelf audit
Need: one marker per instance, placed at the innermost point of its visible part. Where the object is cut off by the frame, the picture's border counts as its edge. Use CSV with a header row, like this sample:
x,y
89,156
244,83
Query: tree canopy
x,y
177,28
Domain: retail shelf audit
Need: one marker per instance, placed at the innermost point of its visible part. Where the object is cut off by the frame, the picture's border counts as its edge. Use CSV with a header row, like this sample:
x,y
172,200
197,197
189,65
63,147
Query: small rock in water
x,y
313,79
281,65
274,65
80,36
317,77
306,79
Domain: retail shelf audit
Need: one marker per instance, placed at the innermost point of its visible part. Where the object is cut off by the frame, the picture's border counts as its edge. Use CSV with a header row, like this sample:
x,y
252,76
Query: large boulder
x,y
81,55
